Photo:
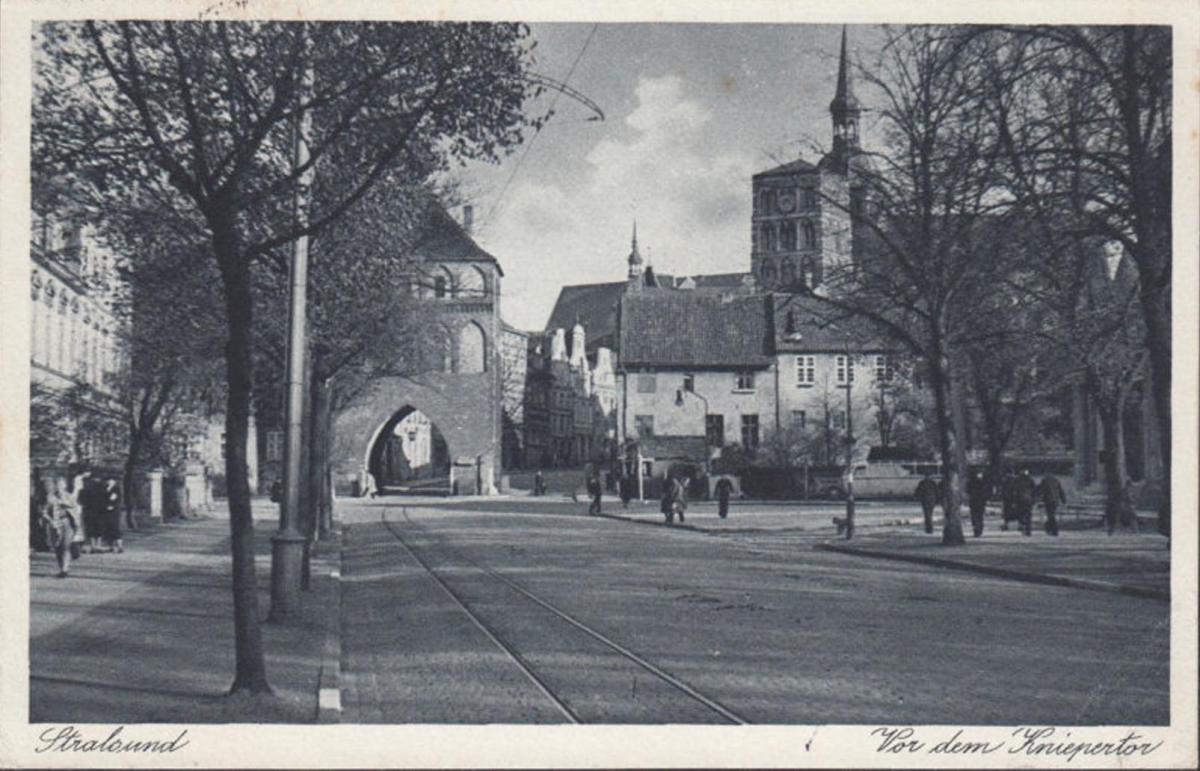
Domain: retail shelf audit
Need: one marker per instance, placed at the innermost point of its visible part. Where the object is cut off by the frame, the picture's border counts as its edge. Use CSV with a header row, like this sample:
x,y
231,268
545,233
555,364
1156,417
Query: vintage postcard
x,y
655,384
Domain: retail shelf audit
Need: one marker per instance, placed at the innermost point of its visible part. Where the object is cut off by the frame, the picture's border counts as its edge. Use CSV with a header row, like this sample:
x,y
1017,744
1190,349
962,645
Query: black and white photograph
x,y
782,388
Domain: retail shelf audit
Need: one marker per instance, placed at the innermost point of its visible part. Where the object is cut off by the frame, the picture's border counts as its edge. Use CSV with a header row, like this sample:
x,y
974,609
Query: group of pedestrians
x,y
71,519
1018,494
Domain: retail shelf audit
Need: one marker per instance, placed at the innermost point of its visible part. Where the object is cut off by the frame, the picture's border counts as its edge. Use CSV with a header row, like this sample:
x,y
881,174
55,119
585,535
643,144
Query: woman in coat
x,y
109,499
61,519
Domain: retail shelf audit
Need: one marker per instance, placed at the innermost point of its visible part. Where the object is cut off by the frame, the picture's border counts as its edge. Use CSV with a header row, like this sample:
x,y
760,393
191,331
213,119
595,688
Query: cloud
x,y
689,194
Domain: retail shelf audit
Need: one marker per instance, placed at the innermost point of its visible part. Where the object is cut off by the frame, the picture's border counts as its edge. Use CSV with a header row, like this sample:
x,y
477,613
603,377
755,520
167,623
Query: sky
x,y
691,112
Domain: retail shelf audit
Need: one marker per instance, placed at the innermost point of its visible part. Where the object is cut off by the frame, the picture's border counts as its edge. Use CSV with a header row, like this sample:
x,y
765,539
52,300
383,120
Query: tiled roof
x,y
444,240
720,280
593,305
667,328
819,327
795,167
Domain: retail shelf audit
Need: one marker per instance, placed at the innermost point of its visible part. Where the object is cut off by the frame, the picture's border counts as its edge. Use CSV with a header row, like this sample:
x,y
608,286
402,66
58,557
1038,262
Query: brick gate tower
x,y
458,286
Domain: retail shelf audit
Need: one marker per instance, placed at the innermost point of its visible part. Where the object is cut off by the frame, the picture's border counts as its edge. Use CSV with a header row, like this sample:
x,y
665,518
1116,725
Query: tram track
x,y
511,651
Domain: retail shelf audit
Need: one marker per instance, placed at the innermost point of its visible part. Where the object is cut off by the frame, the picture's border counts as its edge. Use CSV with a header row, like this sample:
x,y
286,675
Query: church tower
x,y
802,212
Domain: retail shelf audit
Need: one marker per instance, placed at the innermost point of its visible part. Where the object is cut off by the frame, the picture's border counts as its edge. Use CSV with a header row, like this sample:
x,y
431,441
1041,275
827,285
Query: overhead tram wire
x,y
560,88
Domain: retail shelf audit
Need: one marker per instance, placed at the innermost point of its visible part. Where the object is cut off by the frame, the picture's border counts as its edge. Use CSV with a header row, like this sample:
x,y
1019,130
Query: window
x,y
810,198
224,445
274,446
839,419
750,432
787,272
647,468
787,236
769,201
439,286
845,370
768,237
743,381
472,349
643,425
799,420
789,323
714,430
884,372
689,383
806,370
768,271
646,384
809,234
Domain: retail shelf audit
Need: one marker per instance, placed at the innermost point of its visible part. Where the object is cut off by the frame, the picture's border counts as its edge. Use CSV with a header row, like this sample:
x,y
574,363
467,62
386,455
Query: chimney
x,y
468,218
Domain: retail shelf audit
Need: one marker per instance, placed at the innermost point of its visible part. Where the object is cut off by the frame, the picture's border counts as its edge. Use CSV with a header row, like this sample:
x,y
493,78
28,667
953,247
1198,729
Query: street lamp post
x,y
849,449
679,403
287,543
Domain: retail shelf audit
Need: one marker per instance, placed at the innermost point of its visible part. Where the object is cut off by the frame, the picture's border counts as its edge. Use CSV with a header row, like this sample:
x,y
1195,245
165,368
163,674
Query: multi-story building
x,y
514,373
76,349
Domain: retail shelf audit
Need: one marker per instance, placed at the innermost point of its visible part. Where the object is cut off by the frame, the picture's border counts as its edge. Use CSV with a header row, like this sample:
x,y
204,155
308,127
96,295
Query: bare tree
x,y
1090,129
928,248
208,108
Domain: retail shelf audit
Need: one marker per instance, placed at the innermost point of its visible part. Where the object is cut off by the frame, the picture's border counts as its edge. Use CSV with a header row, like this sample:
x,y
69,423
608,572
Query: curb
x,y
1015,575
659,522
329,692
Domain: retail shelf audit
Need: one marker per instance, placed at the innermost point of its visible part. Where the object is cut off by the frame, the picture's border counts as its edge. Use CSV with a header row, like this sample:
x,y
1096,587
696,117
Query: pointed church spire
x,y
635,259
844,108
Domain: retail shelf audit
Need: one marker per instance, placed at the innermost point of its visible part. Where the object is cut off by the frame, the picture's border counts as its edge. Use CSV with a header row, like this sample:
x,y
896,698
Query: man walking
x,y
977,495
594,492
1052,494
1024,491
724,488
927,494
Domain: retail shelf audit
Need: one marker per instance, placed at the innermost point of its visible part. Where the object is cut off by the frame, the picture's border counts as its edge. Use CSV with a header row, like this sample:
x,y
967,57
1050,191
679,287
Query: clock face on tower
x,y
787,202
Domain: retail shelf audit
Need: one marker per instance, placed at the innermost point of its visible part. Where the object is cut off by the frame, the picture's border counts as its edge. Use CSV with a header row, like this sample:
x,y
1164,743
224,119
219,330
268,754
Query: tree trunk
x,y
250,671
131,461
940,375
1158,339
322,444
1114,484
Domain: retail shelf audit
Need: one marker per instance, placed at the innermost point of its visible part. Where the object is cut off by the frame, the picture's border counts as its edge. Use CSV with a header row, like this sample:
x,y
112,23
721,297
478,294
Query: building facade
x,y
76,349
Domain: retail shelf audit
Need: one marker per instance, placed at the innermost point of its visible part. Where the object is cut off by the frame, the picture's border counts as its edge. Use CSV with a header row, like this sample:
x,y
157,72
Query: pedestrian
x,y
110,502
724,488
60,517
87,496
369,489
927,494
539,483
667,505
1007,509
277,491
1051,492
626,486
1024,492
977,495
594,492
679,497
39,493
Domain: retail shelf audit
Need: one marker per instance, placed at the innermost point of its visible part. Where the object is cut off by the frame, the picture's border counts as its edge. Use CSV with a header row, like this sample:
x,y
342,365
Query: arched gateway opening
x,y
409,455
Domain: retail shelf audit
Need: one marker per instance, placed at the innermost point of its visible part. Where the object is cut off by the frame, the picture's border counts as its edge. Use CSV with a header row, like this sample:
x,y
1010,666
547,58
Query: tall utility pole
x,y
849,447
287,545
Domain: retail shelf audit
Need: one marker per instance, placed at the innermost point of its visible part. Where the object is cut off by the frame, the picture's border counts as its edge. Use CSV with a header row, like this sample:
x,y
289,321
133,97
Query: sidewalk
x,y
1123,563
147,636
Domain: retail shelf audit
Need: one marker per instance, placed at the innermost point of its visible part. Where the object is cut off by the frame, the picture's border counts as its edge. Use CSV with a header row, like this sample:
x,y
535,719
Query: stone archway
x,y
462,406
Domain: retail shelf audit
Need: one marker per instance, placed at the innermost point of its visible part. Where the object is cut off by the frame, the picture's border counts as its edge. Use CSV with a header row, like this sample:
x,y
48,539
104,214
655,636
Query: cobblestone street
x,y
761,630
